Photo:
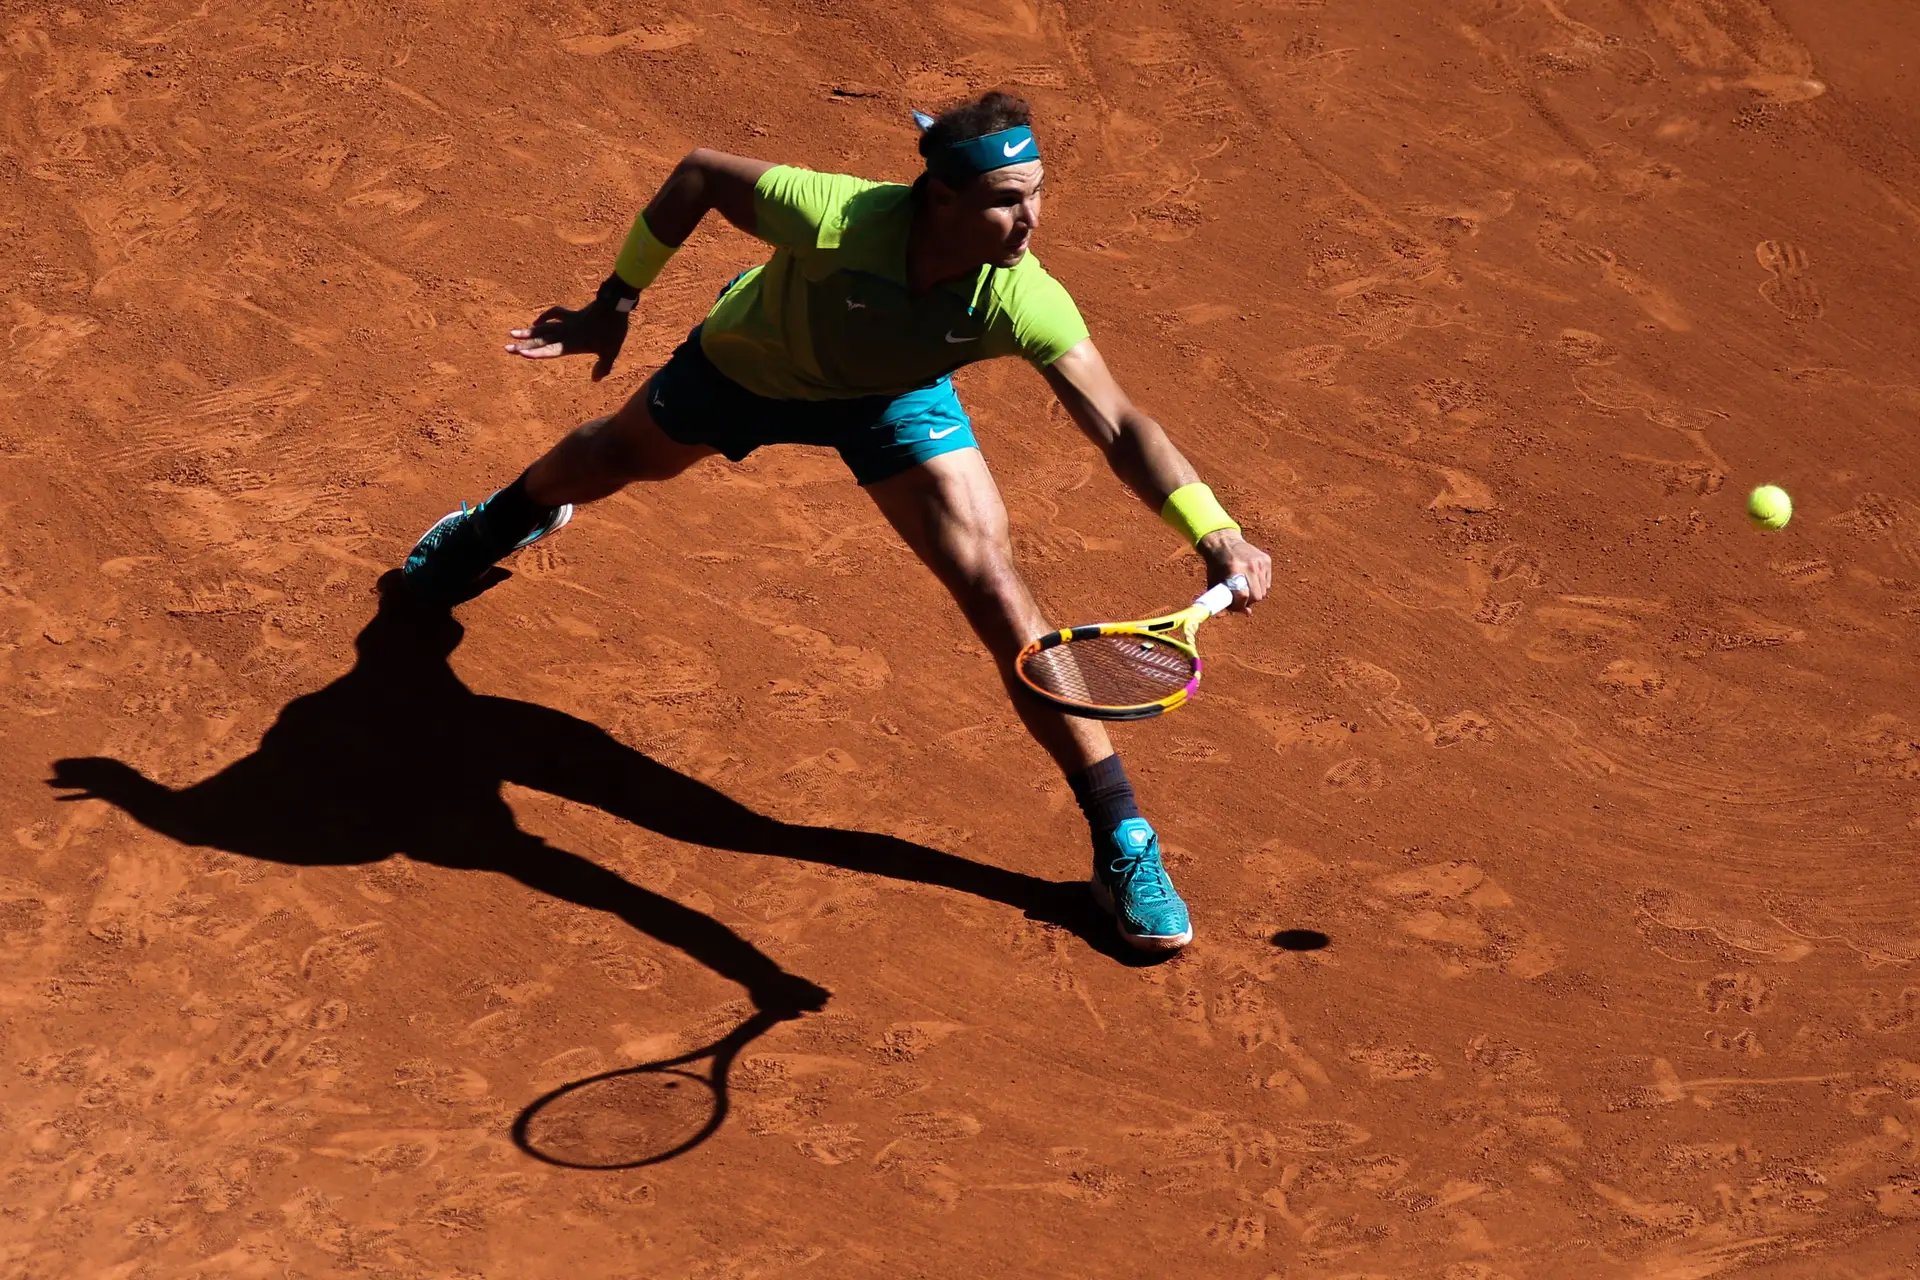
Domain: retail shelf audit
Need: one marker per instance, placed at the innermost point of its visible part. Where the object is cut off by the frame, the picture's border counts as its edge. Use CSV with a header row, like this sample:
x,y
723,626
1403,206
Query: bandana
x,y
961,162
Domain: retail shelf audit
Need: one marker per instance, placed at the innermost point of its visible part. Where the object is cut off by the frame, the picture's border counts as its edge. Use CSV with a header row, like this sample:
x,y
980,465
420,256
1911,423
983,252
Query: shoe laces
x,y
452,528
1141,870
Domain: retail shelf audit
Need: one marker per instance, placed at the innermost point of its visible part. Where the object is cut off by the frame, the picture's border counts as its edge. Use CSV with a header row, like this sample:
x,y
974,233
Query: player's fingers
x,y
550,315
1242,591
1256,586
537,351
603,366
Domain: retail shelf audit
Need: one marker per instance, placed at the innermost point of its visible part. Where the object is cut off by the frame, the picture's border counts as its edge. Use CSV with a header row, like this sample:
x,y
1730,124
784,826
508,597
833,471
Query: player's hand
x,y
1227,554
98,778
599,329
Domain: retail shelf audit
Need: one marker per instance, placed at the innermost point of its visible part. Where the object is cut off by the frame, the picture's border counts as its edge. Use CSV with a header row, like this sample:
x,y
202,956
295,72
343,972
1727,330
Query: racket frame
x,y
1160,630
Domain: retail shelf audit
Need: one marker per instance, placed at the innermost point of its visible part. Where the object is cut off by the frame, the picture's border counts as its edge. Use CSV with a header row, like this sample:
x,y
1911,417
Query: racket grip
x,y
1219,597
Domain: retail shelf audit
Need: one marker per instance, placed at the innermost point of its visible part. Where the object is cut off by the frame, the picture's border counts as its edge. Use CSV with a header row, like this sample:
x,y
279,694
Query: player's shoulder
x,y
1032,314
1026,282
831,202
792,185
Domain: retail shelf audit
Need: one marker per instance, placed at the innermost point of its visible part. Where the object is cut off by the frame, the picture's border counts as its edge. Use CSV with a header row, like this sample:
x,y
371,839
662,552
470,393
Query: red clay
x,y
1484,317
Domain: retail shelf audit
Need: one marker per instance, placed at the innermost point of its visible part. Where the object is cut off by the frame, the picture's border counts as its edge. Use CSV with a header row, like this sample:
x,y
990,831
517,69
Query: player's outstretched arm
x,y
1138,450
704,181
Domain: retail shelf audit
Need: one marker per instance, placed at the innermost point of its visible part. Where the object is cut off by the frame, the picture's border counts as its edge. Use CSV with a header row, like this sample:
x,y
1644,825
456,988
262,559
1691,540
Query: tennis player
x,y
847,337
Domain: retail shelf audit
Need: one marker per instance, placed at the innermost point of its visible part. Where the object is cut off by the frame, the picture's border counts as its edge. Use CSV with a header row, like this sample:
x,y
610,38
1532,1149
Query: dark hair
x,y
989,113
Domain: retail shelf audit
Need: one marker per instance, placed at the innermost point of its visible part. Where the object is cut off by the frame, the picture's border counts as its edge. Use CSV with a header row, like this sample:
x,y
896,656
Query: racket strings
x,y
1110,671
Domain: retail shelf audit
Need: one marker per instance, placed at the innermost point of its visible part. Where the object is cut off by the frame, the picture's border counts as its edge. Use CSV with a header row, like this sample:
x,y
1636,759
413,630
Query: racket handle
x,y
1219,597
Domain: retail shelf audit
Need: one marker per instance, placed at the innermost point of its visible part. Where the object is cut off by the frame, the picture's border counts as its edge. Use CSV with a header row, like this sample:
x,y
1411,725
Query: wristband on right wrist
x,y
642,256
1194,512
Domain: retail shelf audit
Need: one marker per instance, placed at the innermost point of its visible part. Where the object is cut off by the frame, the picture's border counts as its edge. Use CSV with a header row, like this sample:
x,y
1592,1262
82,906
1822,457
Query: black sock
x,y
511,515
1105,795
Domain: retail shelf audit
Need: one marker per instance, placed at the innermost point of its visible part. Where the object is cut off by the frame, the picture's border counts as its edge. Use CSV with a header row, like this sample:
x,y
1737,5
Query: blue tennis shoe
x,y
1131,886
461,546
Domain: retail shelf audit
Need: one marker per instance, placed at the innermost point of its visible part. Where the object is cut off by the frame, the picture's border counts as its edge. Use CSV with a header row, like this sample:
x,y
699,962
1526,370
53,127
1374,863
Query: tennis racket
x,y
1123,670
637,1116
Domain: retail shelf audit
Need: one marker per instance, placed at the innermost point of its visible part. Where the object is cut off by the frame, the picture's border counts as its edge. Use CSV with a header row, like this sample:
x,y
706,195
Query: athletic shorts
x,y
879,436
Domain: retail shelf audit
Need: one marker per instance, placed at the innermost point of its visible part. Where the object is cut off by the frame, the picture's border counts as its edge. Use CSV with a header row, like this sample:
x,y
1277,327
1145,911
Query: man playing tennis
x,y
847,336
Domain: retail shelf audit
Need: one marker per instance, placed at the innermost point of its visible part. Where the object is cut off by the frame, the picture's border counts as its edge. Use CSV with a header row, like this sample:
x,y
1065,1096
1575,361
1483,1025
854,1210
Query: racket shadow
x,y
614,1125
399,756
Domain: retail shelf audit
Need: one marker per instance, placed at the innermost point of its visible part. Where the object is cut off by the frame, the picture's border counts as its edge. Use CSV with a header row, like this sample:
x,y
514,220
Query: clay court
x,y
1550,831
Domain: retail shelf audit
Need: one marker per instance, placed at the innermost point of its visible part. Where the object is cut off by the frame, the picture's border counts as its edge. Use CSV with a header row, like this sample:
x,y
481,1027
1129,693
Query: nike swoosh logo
x,y
951,338
941,435
1011,149
855,306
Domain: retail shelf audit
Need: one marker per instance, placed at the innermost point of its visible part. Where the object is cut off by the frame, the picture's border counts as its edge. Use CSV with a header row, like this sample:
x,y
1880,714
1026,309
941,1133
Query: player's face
x,y
993,218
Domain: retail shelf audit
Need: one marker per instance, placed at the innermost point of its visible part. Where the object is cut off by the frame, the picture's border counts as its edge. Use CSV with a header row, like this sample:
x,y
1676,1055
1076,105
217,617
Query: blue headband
x,y
963,161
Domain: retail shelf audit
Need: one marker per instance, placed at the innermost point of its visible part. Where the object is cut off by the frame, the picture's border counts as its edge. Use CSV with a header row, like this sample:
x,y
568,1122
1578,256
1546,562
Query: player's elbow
x,y
1104,425
694,167
705,171
1133,434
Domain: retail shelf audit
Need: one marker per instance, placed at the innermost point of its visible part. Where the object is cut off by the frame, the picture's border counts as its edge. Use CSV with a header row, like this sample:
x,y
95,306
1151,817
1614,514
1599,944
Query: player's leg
x,y
949,510
606,455
569,877
594,460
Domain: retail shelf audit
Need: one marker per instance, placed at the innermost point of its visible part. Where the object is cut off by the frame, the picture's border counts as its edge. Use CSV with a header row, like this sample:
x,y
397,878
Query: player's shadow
x,y
399,756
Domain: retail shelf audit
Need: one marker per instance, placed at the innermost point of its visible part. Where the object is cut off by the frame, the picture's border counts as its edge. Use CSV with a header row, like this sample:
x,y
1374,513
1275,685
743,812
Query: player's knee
x,y
987,570
620,454
629,446
979,540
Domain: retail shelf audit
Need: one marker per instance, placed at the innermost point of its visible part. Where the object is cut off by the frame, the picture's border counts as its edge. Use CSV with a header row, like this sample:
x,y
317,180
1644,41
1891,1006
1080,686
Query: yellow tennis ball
x,y
1769,507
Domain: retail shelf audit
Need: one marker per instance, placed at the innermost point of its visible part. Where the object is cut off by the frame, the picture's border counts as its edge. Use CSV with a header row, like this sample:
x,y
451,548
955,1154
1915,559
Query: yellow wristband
x,y
1195,512
642,256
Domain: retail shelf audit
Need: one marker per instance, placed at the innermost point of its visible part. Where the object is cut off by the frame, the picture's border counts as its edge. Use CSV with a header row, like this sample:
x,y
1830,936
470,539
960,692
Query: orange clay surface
x,y
1483,316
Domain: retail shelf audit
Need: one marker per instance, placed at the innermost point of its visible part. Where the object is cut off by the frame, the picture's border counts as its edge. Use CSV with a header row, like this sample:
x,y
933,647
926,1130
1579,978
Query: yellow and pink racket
x,y
1123,670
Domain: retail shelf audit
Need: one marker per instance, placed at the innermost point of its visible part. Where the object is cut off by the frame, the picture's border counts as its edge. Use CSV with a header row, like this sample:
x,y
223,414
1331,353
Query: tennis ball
x,y
1769,507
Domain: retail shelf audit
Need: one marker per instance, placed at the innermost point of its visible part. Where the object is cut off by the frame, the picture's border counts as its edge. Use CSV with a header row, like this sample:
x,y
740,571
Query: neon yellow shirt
x,y
829,317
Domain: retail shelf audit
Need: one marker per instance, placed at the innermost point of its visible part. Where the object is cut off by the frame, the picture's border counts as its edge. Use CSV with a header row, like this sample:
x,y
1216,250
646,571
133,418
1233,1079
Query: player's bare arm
x,y
705,181
1147,461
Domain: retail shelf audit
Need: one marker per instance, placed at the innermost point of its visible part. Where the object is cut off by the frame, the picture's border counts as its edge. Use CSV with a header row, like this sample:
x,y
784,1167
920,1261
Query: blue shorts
x,y
879,436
